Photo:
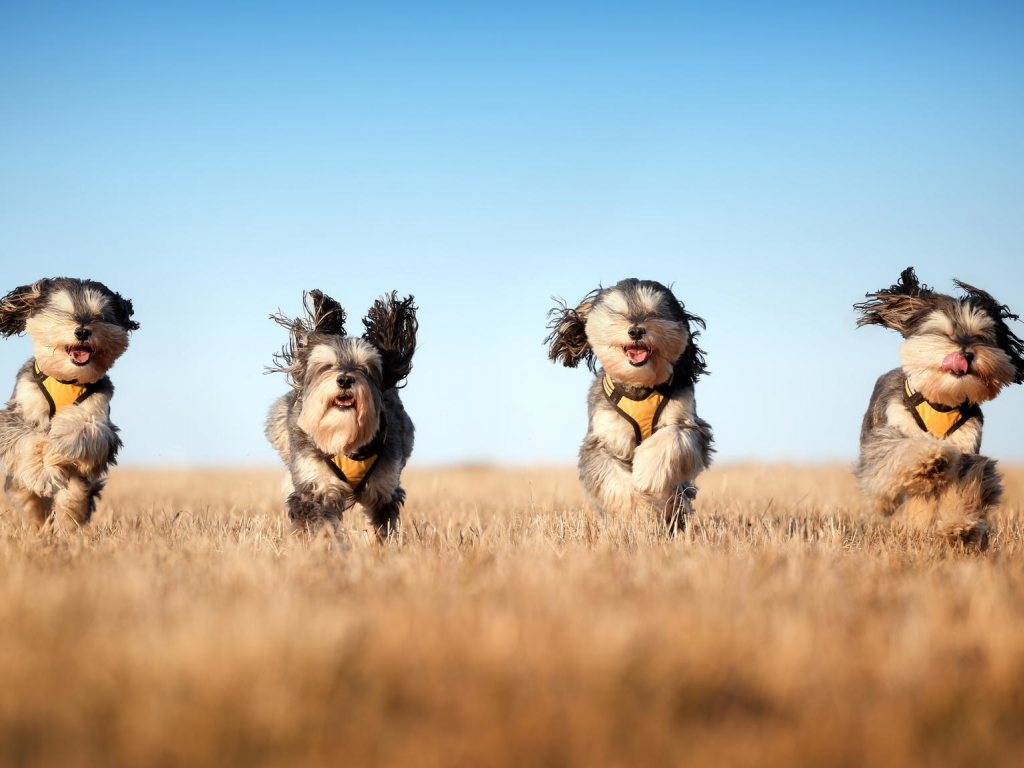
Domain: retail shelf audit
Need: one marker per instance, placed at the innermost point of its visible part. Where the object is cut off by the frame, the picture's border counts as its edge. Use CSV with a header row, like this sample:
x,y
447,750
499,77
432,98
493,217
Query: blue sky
x,y
772,161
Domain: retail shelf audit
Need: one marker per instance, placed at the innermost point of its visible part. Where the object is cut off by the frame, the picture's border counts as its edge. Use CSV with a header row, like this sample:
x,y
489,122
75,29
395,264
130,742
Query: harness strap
x,y
60,394
938,420
356,468
642,413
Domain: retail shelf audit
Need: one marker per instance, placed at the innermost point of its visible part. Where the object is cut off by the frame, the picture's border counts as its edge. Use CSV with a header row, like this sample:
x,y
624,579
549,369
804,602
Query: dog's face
x,y
341,393
342,379
79,328
637,330
955,348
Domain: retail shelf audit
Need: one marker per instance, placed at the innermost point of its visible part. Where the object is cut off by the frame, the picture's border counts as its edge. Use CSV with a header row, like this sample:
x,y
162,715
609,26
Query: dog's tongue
x,y
81,356
636,354
954,362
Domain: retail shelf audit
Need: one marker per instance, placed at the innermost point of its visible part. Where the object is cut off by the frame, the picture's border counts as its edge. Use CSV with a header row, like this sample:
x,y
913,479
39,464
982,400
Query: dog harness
x,y
355,469
642,414
938,420
60,394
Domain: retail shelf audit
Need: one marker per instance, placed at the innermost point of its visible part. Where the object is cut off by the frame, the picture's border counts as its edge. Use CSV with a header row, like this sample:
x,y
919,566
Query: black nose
x,y
345,381
636,332
969,357
82,334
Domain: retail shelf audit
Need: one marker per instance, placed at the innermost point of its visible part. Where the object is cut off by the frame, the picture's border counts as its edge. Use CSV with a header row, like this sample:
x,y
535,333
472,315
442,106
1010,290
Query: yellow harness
x,y
61,394
641,414
938,420
354,471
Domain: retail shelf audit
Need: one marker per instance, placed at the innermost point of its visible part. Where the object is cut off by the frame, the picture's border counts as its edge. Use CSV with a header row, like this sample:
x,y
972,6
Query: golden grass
x,y
509,627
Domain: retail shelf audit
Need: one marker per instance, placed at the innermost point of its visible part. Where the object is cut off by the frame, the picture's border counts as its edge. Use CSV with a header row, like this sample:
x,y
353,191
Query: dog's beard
x,y
339,429
64,357
923,356
644,363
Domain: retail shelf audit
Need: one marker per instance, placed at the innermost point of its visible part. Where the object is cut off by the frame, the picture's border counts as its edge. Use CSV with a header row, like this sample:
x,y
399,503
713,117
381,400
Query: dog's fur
x,y
957,351
55,464
344,401
643,337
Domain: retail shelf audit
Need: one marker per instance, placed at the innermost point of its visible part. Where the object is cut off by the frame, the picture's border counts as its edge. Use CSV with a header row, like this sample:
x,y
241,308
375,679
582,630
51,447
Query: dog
x,y
342,431
921,434
645,444
56,438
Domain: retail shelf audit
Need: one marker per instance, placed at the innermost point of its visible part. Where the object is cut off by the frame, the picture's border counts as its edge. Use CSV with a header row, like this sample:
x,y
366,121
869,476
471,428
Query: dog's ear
x,y
567,340
691,365
325,314
17,306
391,327
899,306
123,311
1006,339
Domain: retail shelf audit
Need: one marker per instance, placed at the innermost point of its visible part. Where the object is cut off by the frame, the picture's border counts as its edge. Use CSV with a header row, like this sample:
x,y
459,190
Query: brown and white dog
x,y
645,445
921,434
56,438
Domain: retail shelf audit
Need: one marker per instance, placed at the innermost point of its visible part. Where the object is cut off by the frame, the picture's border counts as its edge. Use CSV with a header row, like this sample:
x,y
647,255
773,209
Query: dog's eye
x,y
979,339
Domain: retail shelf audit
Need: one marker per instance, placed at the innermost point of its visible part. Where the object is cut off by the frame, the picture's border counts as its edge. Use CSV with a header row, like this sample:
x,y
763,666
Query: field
x,y
509,627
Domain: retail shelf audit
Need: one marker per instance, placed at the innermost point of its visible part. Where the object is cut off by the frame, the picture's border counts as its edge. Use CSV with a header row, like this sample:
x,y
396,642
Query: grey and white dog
x,y
56,438
342,430
645,444
921,434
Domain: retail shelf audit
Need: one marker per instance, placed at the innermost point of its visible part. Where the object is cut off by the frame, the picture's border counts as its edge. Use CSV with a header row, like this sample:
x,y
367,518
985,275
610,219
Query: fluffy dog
x,y
56,438
645,445
342,430
921,434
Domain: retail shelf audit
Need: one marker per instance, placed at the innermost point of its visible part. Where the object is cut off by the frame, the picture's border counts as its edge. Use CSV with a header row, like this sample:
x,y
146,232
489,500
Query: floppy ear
x,y
325,314
899,306
123,311
17,306
391,327
567,342
691,365
1006,339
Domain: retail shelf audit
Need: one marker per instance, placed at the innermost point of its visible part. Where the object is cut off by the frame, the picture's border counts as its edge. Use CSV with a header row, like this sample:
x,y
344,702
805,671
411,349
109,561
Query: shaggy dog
x,y
342,430
921,434
645,445
56,438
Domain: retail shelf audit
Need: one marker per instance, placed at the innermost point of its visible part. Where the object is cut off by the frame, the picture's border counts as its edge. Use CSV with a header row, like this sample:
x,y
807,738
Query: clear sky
x,y
773,161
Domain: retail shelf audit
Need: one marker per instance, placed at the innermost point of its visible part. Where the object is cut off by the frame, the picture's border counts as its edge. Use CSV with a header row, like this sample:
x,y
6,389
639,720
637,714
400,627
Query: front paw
x,y
937,463
651,480
42,476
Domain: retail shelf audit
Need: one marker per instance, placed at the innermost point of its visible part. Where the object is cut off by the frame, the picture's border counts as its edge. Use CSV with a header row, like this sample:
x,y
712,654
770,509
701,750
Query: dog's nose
x,y
968,356
636,332
345,381
82,334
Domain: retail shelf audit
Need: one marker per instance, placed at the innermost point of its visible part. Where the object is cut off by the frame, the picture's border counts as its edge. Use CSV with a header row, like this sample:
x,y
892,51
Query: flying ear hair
x,y
123,311
691,365
17,305
1006,339
897,306
391,327
567,341
323,315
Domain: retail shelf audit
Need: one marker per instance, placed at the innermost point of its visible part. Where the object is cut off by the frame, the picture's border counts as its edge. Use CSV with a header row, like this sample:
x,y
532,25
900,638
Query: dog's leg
x,y
25,502
964,504
72,505
894,466
680,506
385,519
668,457
607,479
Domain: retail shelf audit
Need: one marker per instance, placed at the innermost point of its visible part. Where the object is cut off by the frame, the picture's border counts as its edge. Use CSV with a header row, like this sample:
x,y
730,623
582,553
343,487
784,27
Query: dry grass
x,y
508,628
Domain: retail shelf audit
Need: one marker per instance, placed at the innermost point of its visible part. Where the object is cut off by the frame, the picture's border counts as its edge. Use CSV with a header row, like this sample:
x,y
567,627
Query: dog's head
x,y
956,348
637,330
342,379
78,327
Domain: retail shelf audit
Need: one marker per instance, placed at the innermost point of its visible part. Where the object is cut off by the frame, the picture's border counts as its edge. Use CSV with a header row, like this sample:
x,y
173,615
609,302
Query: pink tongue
x,y
637,355
954,362
81,356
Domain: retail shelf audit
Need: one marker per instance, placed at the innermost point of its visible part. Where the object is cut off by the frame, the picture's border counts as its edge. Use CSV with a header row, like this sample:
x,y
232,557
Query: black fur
x,y
391,327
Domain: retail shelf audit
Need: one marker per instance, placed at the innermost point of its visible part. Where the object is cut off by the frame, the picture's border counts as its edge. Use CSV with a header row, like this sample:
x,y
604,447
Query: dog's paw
x,y
650,479
42,474
967,532
937,462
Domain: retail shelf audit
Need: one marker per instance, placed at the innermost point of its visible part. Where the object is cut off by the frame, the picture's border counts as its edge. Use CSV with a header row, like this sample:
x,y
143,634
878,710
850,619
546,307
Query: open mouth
x,y
80,354
637,353
345,401
956,364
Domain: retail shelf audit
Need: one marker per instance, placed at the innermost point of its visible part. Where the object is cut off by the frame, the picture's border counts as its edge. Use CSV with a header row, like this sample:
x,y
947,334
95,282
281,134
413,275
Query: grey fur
x,y
315,493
